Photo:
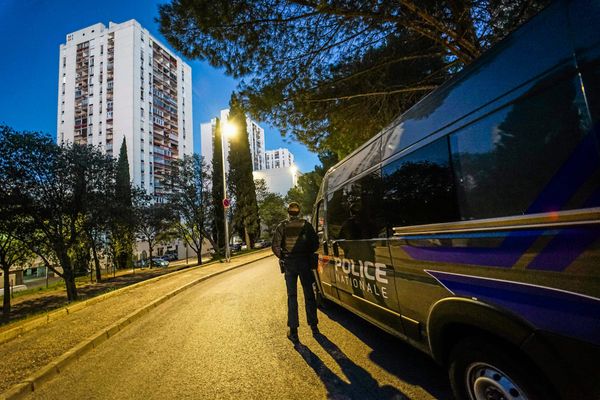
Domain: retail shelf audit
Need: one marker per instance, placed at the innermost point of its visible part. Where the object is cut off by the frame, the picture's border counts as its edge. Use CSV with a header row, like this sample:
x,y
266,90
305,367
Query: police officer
x,y
294,242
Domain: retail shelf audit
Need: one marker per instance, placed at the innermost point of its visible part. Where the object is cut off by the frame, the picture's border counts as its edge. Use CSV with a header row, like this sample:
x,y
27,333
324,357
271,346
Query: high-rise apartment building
x,y
278,158
256,139
120,83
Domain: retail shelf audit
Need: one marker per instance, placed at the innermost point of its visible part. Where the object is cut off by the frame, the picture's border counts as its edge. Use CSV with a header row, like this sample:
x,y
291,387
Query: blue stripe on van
x,y
564,248
549,309
505,255
581,166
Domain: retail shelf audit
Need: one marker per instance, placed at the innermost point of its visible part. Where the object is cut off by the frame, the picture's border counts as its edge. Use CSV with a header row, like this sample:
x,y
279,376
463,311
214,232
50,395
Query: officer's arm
x,y
313,238
276,244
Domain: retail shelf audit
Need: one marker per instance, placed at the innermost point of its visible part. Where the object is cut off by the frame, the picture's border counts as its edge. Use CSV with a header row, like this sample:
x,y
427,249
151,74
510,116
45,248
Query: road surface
x,y
225,339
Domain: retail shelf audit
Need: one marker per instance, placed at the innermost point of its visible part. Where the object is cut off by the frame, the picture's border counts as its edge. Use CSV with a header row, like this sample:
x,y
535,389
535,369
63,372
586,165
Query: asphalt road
x,y
225,339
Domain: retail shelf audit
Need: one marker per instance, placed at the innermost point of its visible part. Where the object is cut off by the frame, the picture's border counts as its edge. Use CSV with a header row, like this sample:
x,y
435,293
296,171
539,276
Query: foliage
x,y
122,224
155,222
13,252
272,211
190,201
334,73
271,208
241,181
51,190
306,191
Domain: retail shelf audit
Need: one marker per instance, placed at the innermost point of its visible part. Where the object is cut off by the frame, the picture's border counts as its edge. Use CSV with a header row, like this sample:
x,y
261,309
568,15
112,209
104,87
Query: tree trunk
x,y
199,251
150,247
247,237
96,263
6,300
69,277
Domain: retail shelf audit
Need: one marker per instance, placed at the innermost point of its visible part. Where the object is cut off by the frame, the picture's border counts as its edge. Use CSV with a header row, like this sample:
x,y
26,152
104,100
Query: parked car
x,y
159,262
170,256
236,247
262,244
141,263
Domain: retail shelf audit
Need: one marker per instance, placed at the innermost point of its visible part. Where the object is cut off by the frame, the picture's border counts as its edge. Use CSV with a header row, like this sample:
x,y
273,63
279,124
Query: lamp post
x,y
228,130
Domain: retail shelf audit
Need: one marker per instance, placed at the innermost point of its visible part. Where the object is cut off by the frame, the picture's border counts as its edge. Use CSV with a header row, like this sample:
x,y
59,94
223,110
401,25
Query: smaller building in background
x,y
278,158
278,180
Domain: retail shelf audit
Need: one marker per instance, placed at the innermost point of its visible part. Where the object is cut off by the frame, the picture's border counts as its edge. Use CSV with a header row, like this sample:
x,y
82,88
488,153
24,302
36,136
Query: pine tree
x,y
241,182
217,189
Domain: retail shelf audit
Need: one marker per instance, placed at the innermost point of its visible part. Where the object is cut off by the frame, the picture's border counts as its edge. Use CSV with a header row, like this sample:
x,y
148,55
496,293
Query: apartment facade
x,y
256,140
278,158
119,83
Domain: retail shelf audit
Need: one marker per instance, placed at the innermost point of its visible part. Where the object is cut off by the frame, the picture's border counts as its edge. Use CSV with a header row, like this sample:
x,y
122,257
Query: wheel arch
x,y
454,318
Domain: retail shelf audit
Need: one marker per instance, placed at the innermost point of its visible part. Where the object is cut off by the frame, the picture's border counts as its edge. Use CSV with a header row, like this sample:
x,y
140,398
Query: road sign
x,y
226,203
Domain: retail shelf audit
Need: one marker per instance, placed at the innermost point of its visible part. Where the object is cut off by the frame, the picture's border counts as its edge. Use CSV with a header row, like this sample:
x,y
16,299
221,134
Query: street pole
x,y
227,251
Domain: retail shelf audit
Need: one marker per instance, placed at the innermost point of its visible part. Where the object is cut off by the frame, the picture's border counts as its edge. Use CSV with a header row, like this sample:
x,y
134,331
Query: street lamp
x,y
293,171
229,130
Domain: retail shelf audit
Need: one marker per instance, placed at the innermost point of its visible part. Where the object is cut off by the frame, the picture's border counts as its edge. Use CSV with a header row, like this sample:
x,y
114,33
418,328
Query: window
x,y
511,162
320,222
419,188
354,211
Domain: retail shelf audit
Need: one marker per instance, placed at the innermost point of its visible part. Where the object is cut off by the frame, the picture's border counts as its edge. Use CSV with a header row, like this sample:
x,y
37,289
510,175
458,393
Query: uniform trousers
x,y
294,269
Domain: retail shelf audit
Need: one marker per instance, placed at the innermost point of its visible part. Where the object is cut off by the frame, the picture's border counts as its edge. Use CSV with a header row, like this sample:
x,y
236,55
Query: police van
x,y
470,226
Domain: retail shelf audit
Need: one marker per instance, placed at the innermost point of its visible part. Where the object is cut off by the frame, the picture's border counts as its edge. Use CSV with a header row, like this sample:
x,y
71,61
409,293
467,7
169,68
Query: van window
x,y
419,188
502,162
354,211
355,165
320,221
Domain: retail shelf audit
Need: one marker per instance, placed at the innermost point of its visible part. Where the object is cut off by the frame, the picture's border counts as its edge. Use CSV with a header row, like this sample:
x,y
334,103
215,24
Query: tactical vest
x,y
296,241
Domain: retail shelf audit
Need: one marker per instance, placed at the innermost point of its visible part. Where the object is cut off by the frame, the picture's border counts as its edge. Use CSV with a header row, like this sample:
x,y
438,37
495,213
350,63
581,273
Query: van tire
x,y
478,366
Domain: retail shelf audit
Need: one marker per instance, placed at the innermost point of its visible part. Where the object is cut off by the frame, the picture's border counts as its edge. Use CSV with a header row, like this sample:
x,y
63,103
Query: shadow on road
x,y
361,386
392,354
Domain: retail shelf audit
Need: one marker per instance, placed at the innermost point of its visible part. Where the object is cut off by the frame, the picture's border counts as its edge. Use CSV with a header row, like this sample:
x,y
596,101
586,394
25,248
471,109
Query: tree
x,y
49,188
122,235
217,190
272,211
100,212
190,202
308,186
13,252
155,222
334,73
241,182
271,208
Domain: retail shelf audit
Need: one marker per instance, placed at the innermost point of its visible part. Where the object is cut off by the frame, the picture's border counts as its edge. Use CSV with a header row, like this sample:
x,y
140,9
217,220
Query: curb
x,y
36,322
30,384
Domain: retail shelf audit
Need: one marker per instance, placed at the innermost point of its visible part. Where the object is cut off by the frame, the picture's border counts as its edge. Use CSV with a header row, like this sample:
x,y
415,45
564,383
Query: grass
x,y
39,300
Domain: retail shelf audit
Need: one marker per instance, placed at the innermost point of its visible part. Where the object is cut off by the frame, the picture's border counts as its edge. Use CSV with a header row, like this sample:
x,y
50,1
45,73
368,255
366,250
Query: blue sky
x,y
31,32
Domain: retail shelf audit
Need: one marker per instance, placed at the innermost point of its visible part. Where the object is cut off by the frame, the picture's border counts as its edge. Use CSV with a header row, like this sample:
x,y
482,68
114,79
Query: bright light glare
x,y
293,169
229,129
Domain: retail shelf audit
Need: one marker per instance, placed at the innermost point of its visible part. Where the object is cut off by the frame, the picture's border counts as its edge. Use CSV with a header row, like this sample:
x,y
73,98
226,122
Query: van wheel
x,y
489,370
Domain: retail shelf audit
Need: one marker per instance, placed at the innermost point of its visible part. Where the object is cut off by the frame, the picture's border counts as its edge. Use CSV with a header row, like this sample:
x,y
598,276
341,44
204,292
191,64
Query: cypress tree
x,y
217,188
122,231
123,179
245,214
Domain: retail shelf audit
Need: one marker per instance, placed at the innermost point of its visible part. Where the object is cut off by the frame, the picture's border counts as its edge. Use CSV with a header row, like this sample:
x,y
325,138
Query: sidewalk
x,y
33,350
